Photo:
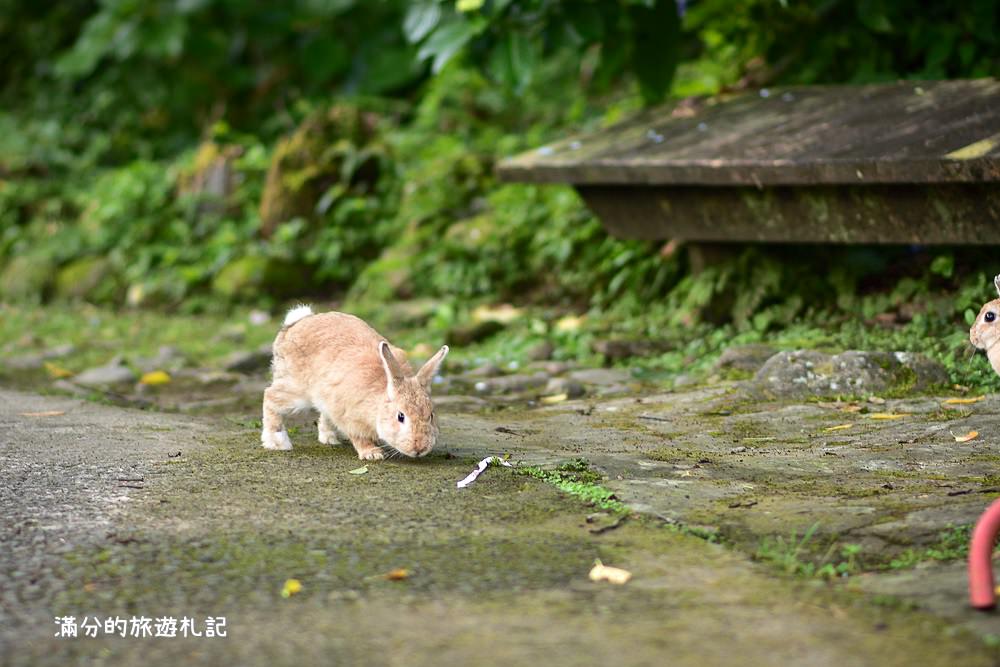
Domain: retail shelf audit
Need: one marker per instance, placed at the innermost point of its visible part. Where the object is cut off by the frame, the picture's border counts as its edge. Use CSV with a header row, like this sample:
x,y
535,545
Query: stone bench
x,y
907,162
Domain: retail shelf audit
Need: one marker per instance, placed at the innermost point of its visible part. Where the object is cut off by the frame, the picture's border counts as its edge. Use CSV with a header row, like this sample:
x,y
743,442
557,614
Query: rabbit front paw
x,y
276,440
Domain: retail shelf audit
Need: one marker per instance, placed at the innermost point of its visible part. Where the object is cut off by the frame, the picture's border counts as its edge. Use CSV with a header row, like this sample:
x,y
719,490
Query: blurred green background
x,y
189,155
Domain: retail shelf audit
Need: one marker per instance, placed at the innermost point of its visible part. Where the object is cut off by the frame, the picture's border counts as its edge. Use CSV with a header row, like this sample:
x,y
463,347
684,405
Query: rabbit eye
x,y
400,417
990,316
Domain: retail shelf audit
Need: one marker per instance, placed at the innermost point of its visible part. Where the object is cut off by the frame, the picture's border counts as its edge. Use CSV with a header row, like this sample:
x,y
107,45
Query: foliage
x,y
577,479
793,556
111,112
509,39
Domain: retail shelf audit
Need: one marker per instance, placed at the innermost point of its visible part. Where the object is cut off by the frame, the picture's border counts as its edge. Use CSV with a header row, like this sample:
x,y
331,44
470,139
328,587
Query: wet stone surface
x,y
737,497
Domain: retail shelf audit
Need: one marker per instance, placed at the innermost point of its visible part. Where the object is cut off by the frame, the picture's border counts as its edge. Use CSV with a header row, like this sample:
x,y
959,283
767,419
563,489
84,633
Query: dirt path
x,y
496,573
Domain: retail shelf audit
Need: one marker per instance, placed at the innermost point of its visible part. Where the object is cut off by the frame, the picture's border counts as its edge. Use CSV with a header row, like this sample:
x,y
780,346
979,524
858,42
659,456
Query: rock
x,y
601,376
167,357
509,384
459,401
616,389
571,388
806,373
487,370
250,387
541,352
248,361
550,367
684,380
112,373
745,358
34,361
467,334
25,278
69,388
87,278
617,349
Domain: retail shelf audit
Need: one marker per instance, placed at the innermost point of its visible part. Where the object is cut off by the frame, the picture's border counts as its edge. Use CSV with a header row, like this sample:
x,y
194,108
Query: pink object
x,y
982,595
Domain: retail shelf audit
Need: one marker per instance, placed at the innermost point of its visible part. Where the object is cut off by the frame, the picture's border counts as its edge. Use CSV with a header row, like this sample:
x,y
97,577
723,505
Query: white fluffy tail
x,y
296,314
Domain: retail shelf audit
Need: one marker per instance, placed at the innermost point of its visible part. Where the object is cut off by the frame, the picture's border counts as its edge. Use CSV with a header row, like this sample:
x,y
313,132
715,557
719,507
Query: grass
x,y
578,479
951,544
792,556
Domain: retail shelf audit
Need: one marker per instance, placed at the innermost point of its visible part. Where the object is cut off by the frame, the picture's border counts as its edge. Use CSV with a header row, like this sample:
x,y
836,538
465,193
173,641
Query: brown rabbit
x,y
362,387
985,332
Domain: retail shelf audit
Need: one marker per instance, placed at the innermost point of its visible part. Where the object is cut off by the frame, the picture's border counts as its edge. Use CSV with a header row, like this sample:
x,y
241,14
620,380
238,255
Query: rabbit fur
x,y
985,332
363,388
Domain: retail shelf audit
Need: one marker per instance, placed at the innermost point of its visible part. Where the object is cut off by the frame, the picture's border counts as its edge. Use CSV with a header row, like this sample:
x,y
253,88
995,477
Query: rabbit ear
x,y
996,283
430,369
393,373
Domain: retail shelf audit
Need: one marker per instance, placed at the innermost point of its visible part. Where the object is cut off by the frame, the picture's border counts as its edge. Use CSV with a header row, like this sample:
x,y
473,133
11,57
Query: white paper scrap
x,y
480,468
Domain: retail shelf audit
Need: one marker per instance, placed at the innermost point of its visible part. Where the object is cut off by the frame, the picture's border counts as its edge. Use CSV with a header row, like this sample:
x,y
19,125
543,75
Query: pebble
x,y
249,361
570,387
113,372
601,376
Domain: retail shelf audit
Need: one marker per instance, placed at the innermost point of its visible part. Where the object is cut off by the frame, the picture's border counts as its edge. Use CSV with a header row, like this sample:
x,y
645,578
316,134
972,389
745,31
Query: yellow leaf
x,y
155,378
57,371
468,5
963,401
398,574
291,587
558,398
975,149
971,435
569,323
887,415
839,427
615,575
504,313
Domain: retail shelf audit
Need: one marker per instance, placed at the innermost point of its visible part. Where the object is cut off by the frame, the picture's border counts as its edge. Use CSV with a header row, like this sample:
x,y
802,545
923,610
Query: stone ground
x,y
737,496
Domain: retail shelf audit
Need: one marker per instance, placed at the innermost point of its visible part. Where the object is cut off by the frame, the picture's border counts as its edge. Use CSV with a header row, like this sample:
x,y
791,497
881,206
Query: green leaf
x,y
656,33
358,471
943,265
445,42
420,20
516,60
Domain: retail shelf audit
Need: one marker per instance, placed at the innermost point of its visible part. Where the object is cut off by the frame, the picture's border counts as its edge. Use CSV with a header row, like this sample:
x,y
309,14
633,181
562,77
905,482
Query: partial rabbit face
x,y
985,333
406,419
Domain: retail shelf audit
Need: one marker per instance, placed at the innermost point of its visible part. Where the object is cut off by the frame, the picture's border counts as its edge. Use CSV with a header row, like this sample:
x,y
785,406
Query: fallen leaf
x,y
569,323
877,400
57,371
291,587
839,427
614,575
154,378
44,413
398,574
887,415
971,435
963,401
504,313
557,398
358,471
851,408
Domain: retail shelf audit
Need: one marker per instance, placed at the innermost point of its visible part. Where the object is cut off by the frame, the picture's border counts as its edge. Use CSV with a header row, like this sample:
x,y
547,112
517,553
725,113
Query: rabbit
x,y
985,332
363,387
